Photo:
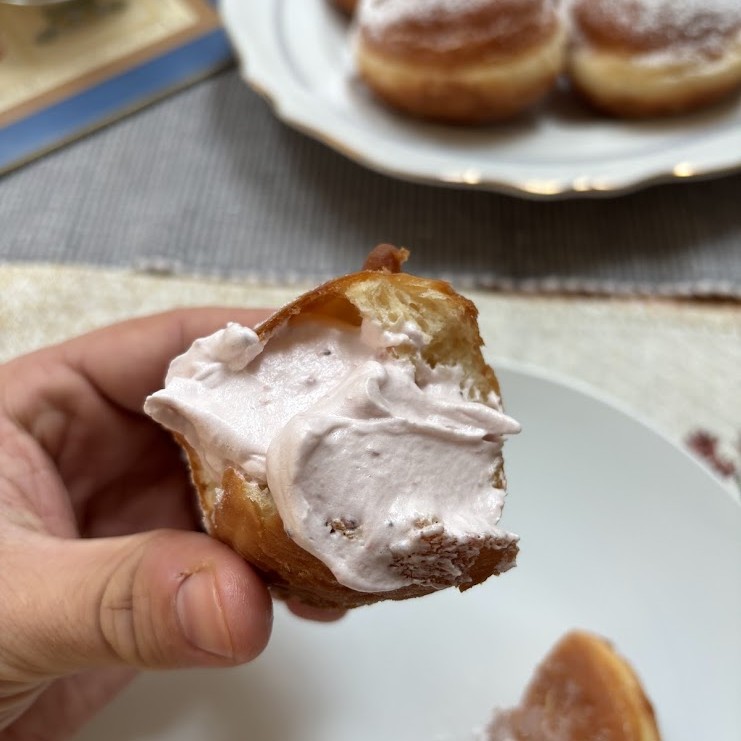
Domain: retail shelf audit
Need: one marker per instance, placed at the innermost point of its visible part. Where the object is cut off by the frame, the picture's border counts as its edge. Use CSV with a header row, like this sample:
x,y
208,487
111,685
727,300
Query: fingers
x,y
157,600
128,361
318,614
64,705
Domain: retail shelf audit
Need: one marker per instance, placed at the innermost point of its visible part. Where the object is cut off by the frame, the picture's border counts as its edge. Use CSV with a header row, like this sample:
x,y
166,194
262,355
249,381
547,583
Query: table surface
x,y
208,182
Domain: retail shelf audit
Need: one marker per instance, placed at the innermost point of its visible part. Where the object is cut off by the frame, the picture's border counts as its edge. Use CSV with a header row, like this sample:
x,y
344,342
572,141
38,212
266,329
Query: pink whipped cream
x,y
368,456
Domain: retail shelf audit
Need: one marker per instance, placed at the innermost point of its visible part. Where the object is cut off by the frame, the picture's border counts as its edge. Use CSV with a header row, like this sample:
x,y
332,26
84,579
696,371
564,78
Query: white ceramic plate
x,y
297,53
622,533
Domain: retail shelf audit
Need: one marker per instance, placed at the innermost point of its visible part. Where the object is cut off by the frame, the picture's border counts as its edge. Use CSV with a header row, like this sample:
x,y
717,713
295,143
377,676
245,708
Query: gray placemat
x,y
209,182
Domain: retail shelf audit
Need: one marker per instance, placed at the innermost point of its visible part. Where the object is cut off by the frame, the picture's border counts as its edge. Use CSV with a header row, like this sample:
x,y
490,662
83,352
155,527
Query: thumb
x,y
154,600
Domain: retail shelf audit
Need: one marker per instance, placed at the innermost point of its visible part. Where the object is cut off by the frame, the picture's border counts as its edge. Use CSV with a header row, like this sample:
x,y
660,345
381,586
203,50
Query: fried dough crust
x,y
241,512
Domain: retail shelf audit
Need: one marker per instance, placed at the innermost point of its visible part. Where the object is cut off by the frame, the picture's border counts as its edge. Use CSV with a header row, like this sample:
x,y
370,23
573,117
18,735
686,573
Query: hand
x,y
101,571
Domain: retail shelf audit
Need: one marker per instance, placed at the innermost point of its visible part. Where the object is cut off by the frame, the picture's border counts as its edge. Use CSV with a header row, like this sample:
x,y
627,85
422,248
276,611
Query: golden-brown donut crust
x,y
466,62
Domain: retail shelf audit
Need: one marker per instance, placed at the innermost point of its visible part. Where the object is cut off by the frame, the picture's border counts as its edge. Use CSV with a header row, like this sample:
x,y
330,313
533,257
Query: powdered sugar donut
x,y
582,690
459,61
655,57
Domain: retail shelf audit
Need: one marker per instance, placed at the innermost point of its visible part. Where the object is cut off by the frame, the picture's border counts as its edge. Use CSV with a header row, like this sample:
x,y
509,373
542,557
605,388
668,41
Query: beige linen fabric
x,y
673,364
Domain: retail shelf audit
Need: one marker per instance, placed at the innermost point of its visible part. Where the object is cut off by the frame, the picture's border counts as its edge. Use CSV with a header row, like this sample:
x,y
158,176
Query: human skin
x,y
102,569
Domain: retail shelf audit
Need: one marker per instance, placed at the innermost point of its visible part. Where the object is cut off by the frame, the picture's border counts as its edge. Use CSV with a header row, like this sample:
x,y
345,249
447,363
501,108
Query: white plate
x,y
622,533
297,54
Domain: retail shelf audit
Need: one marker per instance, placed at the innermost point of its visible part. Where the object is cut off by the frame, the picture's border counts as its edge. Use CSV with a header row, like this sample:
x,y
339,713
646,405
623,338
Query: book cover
x,y
70,67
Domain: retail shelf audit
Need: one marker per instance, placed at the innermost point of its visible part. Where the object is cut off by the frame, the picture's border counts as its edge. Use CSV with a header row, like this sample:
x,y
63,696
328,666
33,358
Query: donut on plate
x,y
459,61
582,691
637,58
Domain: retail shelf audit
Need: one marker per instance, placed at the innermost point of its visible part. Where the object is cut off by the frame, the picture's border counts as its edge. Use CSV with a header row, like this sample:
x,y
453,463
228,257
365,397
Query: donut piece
x,y
351,447
640,58
582,691
459,61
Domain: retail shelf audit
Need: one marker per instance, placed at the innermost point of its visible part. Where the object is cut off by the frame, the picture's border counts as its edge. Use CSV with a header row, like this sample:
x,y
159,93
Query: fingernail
x,y
201,615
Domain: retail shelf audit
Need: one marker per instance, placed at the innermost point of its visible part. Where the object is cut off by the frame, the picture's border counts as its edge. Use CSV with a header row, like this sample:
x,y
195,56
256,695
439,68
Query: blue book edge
x,y
110,100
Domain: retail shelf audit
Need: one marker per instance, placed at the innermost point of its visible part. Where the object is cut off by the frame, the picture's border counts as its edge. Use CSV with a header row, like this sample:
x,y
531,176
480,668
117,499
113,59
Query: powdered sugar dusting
x,y
693,16
575,715
663,31
683,21
381,14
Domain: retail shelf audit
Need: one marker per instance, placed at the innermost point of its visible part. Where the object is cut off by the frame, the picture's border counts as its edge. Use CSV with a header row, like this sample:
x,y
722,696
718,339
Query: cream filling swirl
x,y
380,469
